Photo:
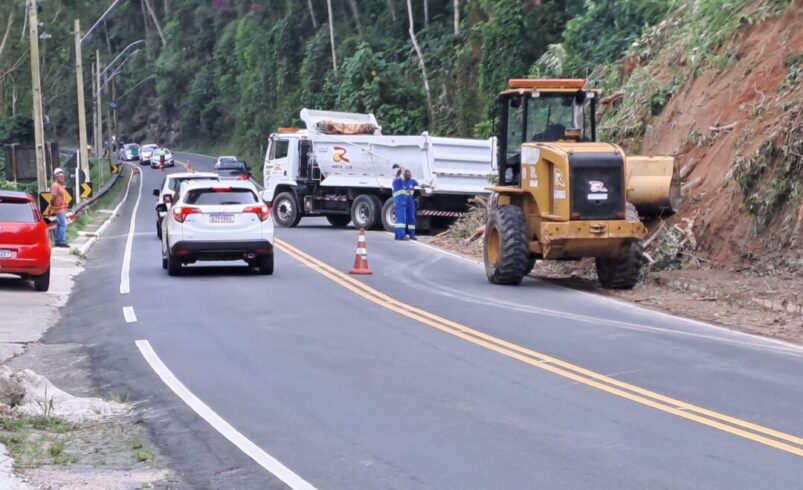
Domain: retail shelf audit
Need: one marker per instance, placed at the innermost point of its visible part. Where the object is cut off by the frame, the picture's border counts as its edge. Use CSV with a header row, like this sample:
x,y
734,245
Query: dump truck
x,y
341,167
561,194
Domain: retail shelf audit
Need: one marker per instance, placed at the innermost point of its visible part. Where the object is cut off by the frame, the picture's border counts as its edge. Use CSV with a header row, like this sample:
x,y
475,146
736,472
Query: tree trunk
x,y
426,13
167,7
421,62
312,15
392,9
155,22
332,34
8,31
456,17
145,21
355,11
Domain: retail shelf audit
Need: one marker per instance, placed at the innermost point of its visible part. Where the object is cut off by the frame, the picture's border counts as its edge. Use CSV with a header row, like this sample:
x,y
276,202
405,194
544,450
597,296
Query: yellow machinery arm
x,y
653,184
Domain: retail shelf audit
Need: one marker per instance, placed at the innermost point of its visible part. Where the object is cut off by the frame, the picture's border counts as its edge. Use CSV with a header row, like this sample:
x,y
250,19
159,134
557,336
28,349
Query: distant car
x,y
236,170
170,184
128,152
24,244
217,221
221,160
156,158
145,153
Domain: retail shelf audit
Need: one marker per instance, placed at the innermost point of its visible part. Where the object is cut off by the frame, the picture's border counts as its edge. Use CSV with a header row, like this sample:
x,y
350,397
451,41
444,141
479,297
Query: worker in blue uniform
x,y
404,202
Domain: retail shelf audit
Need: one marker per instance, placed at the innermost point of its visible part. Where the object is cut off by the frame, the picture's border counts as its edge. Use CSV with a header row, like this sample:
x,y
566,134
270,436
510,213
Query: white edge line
x,y
253,451
84,249
129,315
125,286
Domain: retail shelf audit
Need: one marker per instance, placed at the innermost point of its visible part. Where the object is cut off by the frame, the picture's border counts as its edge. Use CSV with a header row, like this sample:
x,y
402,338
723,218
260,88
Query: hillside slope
x,y
733,117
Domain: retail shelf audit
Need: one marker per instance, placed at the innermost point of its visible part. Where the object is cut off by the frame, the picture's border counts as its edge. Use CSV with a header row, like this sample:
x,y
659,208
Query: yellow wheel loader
x,y
561,195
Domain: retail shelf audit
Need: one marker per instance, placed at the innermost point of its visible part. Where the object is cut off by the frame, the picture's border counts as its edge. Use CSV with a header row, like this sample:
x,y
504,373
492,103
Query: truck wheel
x,y
338,220
265,264
621,272
365,211
506,246
42,283
389,216
285,210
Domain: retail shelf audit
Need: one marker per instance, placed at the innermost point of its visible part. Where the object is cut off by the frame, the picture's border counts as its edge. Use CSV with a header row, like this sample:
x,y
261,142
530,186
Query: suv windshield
x,y
217,197
16,212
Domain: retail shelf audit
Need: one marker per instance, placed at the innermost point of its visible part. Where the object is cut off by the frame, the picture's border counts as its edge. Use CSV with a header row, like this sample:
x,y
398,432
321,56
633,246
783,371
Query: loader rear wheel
x,y
506,246
621,272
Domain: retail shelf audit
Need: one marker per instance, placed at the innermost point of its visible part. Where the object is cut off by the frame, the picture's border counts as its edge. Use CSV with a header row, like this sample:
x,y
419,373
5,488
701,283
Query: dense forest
x,y
230,71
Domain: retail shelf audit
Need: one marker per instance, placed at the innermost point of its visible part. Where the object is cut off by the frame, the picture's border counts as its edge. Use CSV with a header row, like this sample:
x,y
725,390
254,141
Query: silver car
x,y
145,153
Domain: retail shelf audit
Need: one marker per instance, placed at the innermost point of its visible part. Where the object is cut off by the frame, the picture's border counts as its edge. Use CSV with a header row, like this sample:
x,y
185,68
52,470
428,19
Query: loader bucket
x,y
653,185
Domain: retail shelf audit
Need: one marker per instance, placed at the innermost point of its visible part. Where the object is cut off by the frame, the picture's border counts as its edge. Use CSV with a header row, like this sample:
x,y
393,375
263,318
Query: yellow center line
x,y
726,423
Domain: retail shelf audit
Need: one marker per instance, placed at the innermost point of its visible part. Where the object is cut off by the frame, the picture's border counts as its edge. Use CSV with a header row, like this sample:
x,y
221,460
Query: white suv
x,y
217,221
170,184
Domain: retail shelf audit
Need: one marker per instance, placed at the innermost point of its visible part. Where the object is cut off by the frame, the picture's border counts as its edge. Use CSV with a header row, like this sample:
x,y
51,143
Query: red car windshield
x,y
16,212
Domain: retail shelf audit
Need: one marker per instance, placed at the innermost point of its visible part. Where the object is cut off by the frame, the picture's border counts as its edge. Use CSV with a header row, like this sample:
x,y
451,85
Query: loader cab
x,y
540,111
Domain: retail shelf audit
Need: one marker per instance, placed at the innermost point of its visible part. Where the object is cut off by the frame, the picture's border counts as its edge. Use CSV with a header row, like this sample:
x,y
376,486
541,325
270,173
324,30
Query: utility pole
x,y
79,82
99,133
94,108
36,82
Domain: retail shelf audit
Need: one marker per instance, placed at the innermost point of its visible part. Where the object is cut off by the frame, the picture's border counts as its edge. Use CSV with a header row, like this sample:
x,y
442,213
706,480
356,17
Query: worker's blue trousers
x,y
405,216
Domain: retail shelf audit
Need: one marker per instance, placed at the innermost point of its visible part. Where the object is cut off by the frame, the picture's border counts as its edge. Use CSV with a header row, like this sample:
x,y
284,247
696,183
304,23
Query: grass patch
x,y
37,441
140,452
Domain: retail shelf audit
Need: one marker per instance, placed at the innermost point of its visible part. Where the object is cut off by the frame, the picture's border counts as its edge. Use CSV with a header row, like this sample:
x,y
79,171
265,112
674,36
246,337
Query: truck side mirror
x,y
161,208
156,192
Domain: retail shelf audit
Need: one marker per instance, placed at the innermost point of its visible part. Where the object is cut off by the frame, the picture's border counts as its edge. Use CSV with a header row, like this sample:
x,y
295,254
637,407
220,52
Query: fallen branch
x,y
720,128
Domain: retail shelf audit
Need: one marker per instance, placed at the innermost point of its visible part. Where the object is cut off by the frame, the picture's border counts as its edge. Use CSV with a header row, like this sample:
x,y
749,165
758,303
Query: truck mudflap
x,y
439,214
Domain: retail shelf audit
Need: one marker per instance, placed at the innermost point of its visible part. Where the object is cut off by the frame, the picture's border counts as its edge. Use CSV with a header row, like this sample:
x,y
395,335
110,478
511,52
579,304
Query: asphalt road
x,y
424,375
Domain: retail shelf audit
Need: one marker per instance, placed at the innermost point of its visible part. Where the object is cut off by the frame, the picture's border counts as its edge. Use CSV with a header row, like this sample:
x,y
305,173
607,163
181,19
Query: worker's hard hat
x,y
58,171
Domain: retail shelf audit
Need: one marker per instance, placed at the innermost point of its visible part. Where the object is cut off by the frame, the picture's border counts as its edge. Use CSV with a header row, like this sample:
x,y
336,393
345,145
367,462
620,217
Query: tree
x,y
420,54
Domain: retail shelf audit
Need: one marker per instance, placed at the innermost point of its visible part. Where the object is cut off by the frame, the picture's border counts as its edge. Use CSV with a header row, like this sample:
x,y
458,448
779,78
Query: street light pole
x,y
79,81
36,82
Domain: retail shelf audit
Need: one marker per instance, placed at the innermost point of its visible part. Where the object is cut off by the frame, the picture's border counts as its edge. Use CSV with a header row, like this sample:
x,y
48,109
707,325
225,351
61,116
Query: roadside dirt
x,y
752,302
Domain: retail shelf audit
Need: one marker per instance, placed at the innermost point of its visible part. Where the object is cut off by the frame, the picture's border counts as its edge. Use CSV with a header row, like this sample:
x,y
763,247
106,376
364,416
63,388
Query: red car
x,y
24,244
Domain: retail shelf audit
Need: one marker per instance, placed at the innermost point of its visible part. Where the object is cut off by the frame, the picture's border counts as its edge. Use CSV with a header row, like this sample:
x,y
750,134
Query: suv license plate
x,y
5,254
221,218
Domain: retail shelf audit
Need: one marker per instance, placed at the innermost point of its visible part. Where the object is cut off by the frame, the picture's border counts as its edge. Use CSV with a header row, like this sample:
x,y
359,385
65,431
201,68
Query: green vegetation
x,y
38,440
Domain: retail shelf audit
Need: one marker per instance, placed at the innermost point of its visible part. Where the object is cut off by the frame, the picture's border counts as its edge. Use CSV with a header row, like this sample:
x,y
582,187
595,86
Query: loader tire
x,y
506,246
622,272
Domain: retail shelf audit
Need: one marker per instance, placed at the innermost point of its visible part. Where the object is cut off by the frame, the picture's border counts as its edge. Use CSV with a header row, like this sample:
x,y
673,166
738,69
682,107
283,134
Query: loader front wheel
x,y
621,272
506,247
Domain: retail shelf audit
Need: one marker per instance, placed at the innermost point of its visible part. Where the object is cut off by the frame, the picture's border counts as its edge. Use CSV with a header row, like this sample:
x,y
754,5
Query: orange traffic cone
x,y
361,258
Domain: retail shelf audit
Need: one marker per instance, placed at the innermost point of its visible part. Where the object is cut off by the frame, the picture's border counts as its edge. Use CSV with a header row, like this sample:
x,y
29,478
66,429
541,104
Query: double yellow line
x,y
754,432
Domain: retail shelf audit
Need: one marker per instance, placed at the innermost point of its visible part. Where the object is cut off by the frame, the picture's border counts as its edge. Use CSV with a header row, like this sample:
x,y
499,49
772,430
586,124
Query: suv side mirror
x,y
156,192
